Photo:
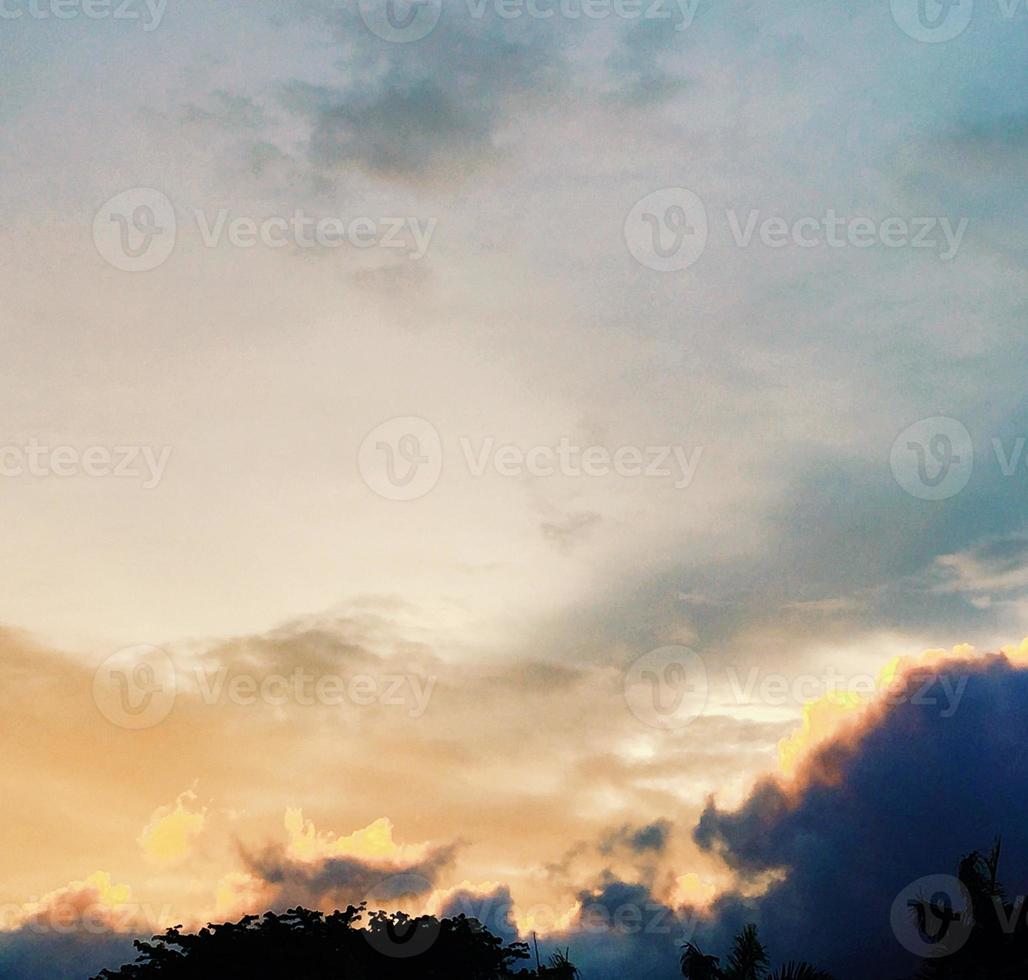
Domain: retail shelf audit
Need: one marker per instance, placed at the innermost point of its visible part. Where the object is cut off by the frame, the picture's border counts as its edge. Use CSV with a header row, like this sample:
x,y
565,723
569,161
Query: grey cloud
x,y
640,840
31,955
338,882
430,109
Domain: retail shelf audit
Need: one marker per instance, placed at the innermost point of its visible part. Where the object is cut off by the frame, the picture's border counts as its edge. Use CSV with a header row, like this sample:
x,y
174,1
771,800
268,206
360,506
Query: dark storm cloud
x,y
332,883
31,955
621,930
493,909
907,798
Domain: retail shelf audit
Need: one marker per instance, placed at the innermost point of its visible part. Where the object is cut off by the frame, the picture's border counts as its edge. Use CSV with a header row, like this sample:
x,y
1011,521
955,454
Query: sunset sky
x,y
392,428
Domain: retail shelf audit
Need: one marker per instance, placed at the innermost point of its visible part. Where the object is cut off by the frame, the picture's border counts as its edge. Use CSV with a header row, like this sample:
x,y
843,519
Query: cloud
x,y
373,843
621,929
421,111
995,568
903,793
640,840
25,955
490,903
75,930
169,836
327,872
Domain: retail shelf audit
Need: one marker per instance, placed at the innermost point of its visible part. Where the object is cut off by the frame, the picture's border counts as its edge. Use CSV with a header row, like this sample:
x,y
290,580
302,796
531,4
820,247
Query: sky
x,y
498,446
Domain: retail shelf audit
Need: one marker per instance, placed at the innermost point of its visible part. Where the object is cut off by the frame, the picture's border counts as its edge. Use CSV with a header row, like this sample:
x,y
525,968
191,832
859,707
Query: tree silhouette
x,y
308,945
696,965
986,940
748,960
560,967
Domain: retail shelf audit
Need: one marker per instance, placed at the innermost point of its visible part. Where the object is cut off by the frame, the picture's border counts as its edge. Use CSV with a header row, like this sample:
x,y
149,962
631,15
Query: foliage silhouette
x,y
748,960
988,940
696,965
308,945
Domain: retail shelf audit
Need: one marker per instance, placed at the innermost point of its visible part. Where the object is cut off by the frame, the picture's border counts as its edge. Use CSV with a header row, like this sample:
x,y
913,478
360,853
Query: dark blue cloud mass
x,y
904,798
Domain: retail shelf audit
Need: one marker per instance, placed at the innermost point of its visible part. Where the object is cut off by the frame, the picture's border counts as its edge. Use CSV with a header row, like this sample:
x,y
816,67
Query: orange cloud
x,y
373,844
169,836
828,717
96,905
